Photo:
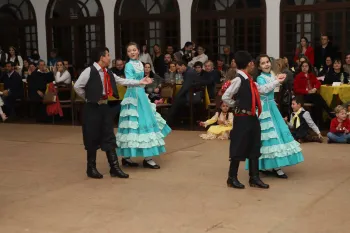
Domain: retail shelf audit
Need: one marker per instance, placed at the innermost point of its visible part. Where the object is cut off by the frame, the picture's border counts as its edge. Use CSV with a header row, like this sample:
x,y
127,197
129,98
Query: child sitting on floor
x,y
2,114
301,122
340,127
224,120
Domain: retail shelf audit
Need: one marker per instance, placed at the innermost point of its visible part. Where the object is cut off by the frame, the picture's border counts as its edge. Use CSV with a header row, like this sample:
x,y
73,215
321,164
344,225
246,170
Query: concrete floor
x,y
43,189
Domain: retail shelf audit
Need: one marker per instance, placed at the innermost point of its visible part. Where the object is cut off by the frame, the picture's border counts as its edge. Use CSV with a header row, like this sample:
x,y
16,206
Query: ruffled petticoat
x,y
141,129
279,149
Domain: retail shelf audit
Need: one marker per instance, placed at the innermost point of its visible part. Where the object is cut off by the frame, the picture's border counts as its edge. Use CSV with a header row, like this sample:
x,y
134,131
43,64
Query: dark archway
x,y
313,18
18,26
74,27
238,23
146,21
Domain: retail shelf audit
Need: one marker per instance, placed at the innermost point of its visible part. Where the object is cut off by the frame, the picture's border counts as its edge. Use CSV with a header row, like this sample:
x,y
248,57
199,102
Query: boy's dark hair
x,y
98,52
11,63
198,63
181,63
243,58
188,43
299,100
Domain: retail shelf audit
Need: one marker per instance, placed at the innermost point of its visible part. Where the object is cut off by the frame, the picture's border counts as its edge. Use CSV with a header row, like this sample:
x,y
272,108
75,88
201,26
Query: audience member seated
x,y
301,123
346,66
157,80
337,74
25,69
13,89
201,57
37,84
307,85
185,54
119,68
323,71
212,76
61,74
52,59
167,60
340,127
170,75
70,69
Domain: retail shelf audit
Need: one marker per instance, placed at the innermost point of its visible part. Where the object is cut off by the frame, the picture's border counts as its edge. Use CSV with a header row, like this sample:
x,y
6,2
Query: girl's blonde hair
x,y
339,108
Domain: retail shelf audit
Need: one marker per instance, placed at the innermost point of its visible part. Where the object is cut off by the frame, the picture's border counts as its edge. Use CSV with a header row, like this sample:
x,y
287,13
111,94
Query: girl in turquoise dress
x,y
141,130
279,149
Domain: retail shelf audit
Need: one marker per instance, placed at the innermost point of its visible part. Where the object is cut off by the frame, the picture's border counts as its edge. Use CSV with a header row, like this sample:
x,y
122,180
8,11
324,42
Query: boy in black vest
x,y
245,136
95,84
301,122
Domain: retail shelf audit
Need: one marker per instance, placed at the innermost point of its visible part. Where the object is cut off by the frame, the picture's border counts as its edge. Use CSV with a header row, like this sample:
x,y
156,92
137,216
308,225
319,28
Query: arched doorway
x,y
238,23
18,26
74,27
147,21
313,18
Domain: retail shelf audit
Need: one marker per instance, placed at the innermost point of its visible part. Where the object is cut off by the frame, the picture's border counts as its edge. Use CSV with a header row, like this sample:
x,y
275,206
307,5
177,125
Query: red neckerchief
x,y
255,95
107,83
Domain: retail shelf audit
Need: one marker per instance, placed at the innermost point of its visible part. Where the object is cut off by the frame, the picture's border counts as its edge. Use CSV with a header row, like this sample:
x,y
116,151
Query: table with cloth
x,y
329,92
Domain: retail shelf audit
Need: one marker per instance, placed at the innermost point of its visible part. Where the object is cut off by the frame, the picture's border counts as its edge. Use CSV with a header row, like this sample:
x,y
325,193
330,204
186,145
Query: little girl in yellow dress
x,y
224,120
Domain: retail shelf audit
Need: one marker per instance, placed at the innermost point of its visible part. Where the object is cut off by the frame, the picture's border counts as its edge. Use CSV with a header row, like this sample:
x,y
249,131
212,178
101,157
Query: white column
x,y
40,12
273,28
108,10
185,20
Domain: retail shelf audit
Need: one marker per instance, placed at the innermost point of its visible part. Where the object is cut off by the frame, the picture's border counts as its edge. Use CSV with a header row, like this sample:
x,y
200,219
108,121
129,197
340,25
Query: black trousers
x,y
245,138
98,127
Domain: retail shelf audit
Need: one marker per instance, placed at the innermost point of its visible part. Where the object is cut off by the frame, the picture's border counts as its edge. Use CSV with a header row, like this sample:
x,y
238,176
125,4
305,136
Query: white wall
x,y
272,25
273,28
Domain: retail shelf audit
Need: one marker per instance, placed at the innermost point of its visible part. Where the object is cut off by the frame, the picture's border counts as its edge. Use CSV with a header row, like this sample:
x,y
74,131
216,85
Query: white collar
x,y
98,67
243,74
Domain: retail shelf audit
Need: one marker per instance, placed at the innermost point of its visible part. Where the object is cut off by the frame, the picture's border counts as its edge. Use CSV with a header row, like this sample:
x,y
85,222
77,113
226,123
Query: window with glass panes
x,y
313,18
147,22
20,15
76,26
237,23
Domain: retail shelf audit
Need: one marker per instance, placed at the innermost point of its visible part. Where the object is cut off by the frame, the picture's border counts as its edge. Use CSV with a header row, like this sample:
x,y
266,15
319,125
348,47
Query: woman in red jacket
x,y
306,50
307,85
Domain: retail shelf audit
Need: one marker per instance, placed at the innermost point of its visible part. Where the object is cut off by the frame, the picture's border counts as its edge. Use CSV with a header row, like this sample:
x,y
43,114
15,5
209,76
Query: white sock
x,y
279,171
150,161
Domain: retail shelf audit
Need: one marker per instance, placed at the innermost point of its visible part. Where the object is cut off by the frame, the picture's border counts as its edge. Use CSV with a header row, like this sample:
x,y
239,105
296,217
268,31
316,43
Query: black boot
x,y
232,181
254,180
115,170
91,170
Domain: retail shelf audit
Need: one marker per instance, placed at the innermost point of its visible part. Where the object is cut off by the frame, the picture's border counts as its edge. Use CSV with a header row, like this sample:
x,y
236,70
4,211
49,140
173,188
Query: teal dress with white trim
x,y
141,130
278,147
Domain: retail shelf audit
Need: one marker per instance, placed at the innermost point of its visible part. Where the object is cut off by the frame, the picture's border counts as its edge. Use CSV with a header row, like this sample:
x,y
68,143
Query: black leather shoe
x,y
283,176
233,182
127,163
91,170
255,181
147,165
115,170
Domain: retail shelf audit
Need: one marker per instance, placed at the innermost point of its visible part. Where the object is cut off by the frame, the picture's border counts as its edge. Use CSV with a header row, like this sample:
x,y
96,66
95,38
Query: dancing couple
x,y
260,134
141,129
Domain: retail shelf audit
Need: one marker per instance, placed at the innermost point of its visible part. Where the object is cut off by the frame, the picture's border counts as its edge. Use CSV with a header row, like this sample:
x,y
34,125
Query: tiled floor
x,y
43,189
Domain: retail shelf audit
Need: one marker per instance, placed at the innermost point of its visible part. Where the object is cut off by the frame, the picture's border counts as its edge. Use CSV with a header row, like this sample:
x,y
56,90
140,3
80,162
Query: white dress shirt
x,y
146,58
64,78
84,77
202,58
307,117
227,97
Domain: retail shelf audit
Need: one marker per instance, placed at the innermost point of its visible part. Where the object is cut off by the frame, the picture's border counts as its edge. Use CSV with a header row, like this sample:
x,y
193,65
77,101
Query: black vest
x,y
304,127
243,97
94,87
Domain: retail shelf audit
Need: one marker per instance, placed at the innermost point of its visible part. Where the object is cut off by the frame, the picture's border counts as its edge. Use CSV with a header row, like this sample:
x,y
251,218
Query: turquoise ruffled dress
x,y
278,147
141,130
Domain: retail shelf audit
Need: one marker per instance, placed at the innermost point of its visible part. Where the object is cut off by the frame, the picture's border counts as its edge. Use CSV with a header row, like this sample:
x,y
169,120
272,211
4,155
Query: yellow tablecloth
x,y
343,91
